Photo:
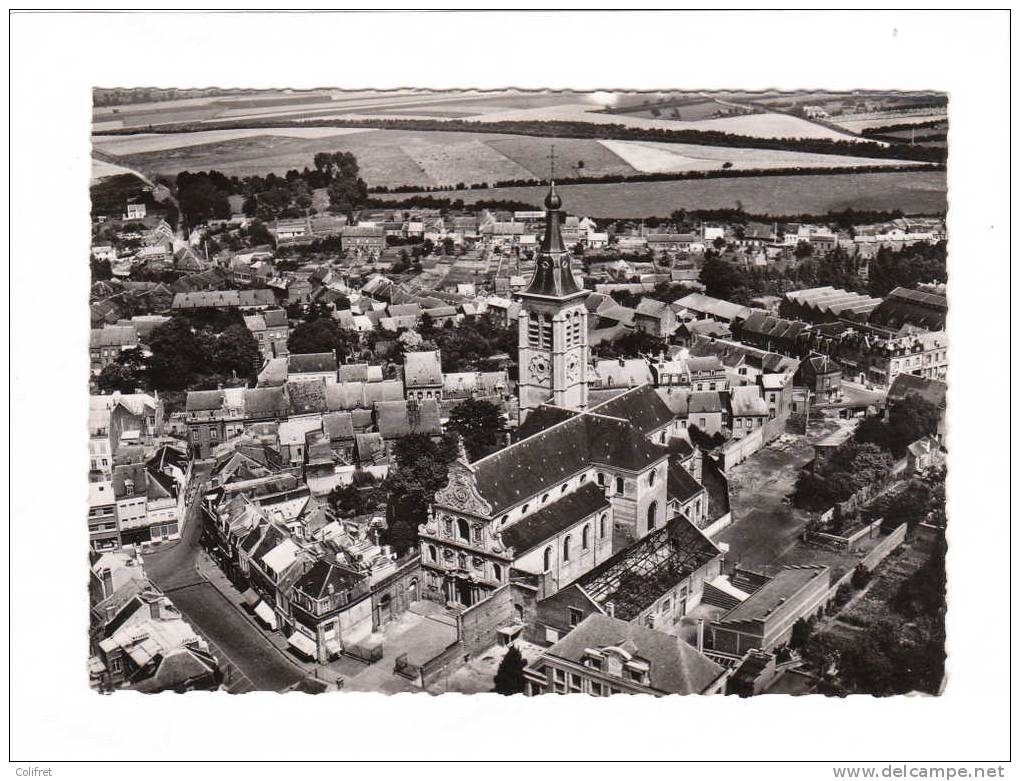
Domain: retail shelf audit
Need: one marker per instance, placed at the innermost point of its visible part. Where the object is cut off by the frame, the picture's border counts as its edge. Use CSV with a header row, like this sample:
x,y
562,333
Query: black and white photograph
x,y
601,385
523,392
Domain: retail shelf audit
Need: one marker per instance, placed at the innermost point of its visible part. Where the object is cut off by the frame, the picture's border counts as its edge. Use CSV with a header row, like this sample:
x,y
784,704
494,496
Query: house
x,y
823,377
697,306
423,375
621,373
104,530
687,332
312,367
926,453
604,655
360,240
271,330
149,504
748,410
147,646
107,343
764,621
655,318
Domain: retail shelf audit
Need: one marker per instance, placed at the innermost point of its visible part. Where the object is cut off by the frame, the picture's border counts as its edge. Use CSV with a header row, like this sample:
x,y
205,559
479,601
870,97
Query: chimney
x,y
154,612
107,583
701,635
610,609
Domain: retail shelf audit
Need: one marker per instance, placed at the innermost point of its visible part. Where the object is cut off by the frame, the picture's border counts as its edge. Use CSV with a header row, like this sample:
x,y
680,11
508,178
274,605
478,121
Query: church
x,y
582,482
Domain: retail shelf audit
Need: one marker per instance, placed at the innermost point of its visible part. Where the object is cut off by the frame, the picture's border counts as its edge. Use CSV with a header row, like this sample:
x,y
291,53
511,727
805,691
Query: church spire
x,y
553,277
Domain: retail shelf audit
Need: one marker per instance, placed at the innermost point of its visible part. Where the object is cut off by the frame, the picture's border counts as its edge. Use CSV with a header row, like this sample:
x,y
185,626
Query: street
x,y
249,661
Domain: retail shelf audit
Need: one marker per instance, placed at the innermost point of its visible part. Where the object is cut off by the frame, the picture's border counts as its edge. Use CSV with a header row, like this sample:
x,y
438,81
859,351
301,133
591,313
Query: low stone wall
x,y
874,557
842,542
476,626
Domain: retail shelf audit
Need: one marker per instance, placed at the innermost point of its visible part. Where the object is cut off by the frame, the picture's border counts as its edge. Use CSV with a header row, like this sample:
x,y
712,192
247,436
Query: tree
x,y
126,374
237,351
315,336
800,633
510,675
422,467
480,424
360,496
861,577
178,354
99,269
724,280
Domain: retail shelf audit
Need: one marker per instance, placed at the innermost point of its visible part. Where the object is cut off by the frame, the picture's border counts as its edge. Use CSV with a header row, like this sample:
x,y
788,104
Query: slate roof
x,y
422,369
307,397
675,667
322,574
395,419
265,402
641,407
746,401
307,363
114,336
338,425
203,400
704,402
539,462
680,484
555,517
716,307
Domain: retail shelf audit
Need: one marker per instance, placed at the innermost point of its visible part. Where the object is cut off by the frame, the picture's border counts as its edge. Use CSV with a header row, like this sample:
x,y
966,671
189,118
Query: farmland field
x,y
656,157
424,158
922,192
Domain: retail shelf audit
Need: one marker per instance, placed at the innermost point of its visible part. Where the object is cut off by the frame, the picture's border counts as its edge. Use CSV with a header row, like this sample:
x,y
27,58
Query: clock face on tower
x,y
538,369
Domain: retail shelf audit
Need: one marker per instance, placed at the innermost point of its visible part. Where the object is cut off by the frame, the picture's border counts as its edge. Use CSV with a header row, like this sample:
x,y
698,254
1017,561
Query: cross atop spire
x,y
552,162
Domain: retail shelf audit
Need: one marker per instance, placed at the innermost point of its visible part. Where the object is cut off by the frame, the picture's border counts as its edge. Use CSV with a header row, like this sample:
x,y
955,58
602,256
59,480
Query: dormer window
x,y
129,487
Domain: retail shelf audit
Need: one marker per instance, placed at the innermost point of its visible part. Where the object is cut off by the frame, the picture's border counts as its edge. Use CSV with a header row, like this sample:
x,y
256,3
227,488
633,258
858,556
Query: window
x,y
575,616
566,548
619,485
545,498
547,559
477,533
601,478
653,509
524,510
432,552
585,537
651,478
563,488
583,478
463,529
575,683
665,605
497,572
602,526
448,526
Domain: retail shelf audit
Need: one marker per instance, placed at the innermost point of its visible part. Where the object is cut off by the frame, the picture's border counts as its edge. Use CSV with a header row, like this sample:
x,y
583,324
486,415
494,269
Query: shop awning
x,y
303,643
250,597
263,611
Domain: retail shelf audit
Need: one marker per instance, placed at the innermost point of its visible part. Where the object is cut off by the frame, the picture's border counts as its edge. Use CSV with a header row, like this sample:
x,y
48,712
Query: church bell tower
x,y
553,326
